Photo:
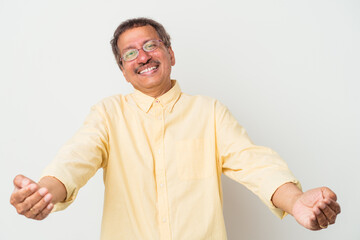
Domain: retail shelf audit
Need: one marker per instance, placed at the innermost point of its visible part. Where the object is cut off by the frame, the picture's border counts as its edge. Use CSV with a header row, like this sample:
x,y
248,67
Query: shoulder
x,y
202,101
111,104
198,99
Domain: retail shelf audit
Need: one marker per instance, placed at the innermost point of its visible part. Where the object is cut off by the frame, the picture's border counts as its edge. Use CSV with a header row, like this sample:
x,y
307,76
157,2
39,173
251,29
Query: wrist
x,y
293,201
55,187
286,196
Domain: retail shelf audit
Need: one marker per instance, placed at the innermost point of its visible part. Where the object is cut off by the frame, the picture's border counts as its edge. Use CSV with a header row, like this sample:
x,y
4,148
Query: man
x,y
163,153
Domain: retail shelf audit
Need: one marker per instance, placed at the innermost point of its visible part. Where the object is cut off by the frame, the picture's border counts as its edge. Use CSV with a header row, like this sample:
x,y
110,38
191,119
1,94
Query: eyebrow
x,y
132,47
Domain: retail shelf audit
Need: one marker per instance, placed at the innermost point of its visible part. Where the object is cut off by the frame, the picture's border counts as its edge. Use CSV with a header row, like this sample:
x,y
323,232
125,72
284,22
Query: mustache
x,y
150,61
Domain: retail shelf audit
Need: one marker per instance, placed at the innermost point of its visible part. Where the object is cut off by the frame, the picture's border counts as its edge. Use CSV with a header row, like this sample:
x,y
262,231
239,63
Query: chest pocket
x,y
193,160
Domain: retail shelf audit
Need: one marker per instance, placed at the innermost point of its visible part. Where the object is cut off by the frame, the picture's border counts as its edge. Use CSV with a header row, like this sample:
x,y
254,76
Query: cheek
x,y
127,73
126,78
129,69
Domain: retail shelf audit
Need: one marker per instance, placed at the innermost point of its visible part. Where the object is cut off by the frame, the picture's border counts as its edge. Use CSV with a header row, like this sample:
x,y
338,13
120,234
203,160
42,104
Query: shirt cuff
x,y
70,190
269,192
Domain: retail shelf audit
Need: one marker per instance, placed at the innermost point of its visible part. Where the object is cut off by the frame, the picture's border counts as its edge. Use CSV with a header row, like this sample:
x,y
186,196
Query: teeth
x,y
147,70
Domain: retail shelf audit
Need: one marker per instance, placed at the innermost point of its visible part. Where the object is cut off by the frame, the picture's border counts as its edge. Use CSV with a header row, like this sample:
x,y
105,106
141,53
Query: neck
x,y
159,91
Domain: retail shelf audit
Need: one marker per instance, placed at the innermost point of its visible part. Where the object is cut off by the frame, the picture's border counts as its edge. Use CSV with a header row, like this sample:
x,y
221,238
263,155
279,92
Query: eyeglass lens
x,y
149,46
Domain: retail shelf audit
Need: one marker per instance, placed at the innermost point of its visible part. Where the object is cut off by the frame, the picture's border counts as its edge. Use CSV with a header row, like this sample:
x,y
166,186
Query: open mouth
x,y
148,70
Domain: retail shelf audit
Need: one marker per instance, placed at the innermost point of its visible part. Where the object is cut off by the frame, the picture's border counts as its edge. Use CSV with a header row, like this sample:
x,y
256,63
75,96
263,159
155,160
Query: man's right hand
x,y
30,199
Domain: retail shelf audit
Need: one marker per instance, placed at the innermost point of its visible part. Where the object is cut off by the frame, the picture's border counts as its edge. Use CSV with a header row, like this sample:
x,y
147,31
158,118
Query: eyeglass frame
x,y
137,49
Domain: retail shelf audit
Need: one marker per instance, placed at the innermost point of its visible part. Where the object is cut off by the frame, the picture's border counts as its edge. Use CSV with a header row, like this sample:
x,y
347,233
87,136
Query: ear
x,y
172,56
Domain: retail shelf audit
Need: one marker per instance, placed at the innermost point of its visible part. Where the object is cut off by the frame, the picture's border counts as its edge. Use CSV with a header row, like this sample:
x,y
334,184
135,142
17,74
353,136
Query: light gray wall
x,y
288,70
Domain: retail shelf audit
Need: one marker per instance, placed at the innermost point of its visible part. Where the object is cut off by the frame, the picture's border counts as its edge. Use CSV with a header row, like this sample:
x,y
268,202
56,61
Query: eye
x,y
150,46
130,54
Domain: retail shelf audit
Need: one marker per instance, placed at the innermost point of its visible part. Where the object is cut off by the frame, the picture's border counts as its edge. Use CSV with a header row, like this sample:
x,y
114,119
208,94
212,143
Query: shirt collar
x,y
144,102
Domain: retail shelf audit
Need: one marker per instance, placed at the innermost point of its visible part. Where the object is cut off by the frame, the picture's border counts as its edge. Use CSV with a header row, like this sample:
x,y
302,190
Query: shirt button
x,y
161,185
157,101
159,151
164,220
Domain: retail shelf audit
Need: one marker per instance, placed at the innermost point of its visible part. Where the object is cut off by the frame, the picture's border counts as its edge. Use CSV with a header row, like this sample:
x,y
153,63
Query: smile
x,y
150,69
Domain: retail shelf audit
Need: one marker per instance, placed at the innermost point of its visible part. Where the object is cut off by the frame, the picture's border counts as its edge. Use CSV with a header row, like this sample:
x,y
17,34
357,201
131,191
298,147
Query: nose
x,y
143,56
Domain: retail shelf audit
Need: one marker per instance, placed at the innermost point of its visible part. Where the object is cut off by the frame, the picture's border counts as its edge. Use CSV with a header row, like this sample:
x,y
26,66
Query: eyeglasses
x,y
132,54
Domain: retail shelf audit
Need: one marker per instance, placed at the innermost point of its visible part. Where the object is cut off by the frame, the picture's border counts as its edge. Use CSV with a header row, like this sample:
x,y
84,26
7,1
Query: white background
x,y
288,70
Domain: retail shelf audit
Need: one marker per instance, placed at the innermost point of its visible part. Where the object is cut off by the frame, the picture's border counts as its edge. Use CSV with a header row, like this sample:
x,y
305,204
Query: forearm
x,y
55,187
285,197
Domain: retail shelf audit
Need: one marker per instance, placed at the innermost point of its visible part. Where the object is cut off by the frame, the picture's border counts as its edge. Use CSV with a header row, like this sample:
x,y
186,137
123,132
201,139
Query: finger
x,y
321,219
327,193
328,212
31,201
313,224
335,206
37,208
19,196
21,181
45,212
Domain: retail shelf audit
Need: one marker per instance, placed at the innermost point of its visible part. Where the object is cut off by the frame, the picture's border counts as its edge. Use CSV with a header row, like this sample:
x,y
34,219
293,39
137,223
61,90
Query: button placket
x,y
162,199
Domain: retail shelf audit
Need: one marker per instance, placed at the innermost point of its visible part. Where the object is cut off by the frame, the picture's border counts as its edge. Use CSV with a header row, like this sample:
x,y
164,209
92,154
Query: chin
x,y
151,81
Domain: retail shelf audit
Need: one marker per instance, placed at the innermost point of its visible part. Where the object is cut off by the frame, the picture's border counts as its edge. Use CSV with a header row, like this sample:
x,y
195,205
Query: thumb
x,y
328,194
21,181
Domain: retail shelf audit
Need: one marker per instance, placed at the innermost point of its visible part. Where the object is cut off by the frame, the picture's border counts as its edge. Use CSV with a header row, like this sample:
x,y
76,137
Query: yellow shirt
x,y
162,160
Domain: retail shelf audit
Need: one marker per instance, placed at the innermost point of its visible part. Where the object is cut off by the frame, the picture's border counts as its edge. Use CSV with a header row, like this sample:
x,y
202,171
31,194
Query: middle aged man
x,y
163,153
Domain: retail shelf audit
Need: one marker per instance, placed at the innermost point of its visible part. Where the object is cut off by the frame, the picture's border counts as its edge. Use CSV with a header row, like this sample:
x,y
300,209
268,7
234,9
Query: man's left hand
x,y
316,209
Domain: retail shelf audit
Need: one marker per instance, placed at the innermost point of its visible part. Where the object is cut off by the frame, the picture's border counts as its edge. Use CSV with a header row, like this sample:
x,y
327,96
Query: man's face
x,y
159,60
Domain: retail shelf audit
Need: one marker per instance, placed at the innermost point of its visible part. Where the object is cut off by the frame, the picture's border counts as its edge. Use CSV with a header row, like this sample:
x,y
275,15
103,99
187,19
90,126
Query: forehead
x,y
135,37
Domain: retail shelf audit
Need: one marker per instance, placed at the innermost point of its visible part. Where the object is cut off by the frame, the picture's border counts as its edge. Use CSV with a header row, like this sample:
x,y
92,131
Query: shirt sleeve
x,y
80,158
258,168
